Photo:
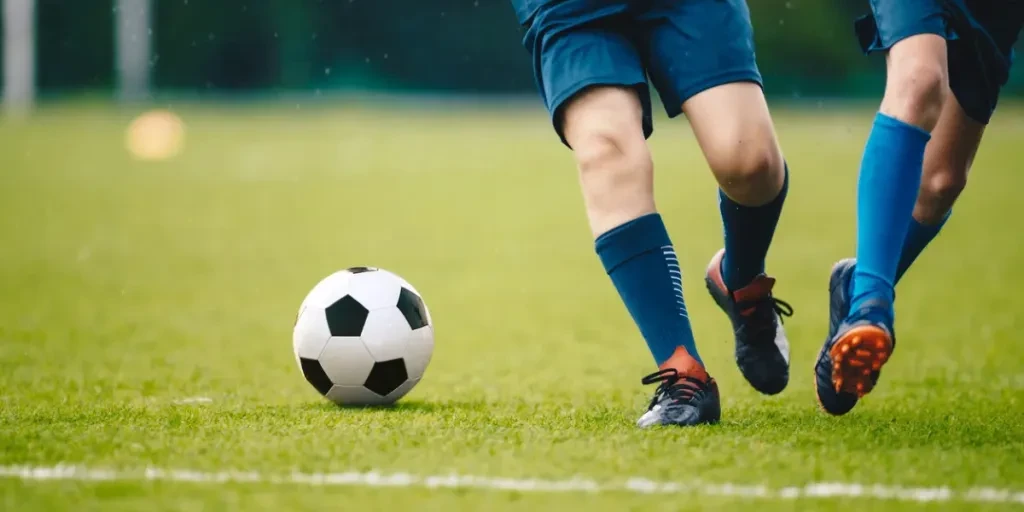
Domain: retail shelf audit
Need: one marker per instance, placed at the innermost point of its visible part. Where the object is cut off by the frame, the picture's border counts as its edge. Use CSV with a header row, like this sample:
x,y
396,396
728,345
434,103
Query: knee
x,y
750,171
609,155
939,190
604,128
916,89
616,176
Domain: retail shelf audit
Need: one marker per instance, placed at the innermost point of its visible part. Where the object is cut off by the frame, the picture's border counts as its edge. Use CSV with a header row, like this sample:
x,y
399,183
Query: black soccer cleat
x,y
850,361
762,350
681,400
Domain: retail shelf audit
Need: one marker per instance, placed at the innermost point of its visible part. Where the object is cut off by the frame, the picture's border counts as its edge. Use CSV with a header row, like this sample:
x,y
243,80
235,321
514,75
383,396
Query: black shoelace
x,y
764,313
680,388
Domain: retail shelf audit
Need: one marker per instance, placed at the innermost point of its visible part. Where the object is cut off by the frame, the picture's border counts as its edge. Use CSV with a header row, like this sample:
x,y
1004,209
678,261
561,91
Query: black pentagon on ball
x,y
385,377
412,308
346,317
314,373
360,270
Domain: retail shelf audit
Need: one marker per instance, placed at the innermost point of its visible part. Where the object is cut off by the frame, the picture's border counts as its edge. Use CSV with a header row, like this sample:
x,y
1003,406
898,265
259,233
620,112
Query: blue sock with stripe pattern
x,y
642,264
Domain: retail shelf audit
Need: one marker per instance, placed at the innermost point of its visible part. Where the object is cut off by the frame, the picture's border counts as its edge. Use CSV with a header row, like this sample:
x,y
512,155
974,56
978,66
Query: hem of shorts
x,y
558,102
745,75
879,46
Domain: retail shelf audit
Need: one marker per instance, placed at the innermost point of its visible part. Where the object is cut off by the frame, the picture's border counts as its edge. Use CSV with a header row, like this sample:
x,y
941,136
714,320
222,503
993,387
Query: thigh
x,y
691,46
577,48
734,128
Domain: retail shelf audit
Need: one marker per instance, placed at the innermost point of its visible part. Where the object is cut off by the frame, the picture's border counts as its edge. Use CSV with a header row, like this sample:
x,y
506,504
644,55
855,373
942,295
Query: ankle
x,y
682,362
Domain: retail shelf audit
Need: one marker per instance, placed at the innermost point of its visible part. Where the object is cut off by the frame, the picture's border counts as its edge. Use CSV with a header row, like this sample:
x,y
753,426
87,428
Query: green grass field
x,y
127,287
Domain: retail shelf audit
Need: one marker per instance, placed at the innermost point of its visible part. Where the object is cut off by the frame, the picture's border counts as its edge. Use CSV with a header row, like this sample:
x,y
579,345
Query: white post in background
x,y
134,33
19,56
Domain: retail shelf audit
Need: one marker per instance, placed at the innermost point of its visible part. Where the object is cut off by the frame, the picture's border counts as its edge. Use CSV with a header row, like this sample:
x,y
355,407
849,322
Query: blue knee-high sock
x,y
890,175
639,258
918,237
748,234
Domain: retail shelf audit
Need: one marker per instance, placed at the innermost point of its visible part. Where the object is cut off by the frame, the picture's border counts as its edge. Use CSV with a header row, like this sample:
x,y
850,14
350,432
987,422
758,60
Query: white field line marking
x,y
195,399
816,490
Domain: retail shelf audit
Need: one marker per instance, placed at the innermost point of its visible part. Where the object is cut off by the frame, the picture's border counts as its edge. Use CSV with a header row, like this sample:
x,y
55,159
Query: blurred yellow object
x,y
155,135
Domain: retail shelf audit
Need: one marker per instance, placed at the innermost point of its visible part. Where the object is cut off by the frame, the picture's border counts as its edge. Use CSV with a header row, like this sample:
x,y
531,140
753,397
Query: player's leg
x,y
712,77
734,130
948,158
594,84
861,342
890,176
603,126
861,337
947,161
978,67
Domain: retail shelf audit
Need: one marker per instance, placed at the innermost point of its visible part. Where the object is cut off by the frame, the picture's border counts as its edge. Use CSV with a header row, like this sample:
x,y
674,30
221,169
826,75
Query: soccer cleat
x,y
686,394
762,350
850,361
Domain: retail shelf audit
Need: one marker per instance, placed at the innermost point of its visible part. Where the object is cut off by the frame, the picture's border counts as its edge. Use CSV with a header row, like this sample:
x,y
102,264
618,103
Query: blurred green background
x,y
806,48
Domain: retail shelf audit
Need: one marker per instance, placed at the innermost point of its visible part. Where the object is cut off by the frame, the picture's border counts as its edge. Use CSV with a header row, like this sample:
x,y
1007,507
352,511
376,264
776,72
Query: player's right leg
x,y
594,85
947,161
913,33
917,106
978,61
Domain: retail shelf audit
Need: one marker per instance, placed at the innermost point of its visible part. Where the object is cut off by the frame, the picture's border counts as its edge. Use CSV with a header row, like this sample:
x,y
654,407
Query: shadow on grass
x,y
405,406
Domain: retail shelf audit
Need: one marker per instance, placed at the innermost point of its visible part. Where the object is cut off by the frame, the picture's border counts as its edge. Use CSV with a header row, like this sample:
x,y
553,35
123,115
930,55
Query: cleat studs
x,y
876,366
864,353
856,341
866,372
845,348
856,362
880,344
860,387
835,366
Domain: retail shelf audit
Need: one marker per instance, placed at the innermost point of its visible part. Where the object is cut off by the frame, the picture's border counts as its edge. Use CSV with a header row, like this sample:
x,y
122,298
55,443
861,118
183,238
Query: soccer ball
x,y
363,336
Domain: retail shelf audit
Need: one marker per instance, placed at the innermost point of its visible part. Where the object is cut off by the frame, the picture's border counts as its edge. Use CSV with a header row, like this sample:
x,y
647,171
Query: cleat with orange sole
x,y
852,371
855,349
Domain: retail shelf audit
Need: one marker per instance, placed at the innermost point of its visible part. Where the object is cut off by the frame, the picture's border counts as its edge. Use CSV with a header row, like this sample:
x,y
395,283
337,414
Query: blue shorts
x,y
684,46
981,35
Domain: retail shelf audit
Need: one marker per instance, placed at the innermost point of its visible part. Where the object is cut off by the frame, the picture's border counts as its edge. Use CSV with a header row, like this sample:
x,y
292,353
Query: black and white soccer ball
x,y
363,336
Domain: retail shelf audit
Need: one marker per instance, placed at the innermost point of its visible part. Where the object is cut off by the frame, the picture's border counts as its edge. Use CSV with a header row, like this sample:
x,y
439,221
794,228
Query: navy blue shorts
x,y
981,35
684,46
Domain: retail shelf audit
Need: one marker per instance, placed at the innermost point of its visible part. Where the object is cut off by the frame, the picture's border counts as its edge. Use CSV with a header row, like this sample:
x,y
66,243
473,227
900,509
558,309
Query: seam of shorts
x,y
726,77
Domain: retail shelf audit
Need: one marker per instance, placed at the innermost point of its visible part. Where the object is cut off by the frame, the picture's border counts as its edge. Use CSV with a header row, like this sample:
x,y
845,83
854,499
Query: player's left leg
x,y
712,77
735,132
947,161
979,65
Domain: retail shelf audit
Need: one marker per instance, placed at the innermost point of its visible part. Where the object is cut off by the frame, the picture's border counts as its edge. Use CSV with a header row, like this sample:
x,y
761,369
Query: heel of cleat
x,y
857,357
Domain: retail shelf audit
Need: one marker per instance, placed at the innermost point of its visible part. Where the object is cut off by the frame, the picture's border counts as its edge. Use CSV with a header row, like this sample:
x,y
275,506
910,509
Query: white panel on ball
x,y
346,361
421,347
375,290
329,290
357,395
311,333
386,334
